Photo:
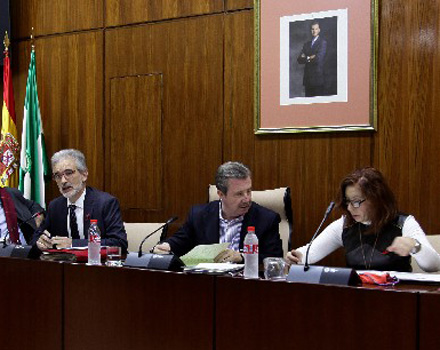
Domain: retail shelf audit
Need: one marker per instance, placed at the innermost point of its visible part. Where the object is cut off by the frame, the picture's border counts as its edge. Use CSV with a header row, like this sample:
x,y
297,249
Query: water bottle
x,y
250,254
94,244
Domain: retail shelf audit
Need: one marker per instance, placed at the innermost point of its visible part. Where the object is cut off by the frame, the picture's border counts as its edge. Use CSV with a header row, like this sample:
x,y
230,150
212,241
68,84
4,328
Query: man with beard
x,y
68,216
227,220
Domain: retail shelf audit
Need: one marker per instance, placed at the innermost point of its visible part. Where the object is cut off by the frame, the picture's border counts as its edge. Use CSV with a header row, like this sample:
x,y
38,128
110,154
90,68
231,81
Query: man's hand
x,y
229,255
162,248
44,242
39,219
62,242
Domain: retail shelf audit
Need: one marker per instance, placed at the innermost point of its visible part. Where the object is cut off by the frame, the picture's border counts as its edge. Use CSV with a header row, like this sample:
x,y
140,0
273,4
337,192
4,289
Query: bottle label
x,y
250,249
94,236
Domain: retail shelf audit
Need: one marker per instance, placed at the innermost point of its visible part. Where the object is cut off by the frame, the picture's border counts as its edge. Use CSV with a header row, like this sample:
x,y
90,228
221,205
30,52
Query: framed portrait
x,y
315,65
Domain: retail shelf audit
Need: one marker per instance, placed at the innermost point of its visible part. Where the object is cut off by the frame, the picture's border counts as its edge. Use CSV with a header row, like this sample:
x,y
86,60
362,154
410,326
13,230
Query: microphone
x,y
164,227
321,274
326,215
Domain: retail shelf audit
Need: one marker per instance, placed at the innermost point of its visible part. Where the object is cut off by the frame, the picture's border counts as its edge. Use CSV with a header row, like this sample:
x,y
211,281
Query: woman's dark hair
x,y
375,188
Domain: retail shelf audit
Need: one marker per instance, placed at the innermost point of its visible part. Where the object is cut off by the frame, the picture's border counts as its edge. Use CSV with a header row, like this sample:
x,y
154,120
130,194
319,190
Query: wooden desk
x,y
114,308
281,315
48,305
31,311
429,321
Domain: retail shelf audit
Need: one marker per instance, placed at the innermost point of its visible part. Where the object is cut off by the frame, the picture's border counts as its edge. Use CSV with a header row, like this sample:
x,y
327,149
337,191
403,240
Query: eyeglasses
x,y
356,203
66,173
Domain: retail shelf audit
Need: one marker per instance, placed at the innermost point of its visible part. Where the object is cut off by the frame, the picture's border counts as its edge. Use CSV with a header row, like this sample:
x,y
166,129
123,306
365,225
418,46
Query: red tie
x,y
10,214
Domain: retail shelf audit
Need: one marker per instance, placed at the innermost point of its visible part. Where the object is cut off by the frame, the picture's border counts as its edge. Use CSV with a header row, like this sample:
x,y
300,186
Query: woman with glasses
x,y
374,234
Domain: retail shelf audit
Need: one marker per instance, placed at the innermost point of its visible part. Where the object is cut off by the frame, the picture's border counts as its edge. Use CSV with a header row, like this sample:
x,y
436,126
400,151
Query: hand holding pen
x,y
44,242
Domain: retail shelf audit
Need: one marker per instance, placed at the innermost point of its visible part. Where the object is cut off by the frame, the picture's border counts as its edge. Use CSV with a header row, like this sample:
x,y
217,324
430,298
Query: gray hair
x,y
230,170
74,154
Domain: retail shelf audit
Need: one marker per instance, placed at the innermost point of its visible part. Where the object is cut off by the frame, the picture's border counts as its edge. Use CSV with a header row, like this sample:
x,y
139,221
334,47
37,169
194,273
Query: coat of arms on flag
x,y
9,153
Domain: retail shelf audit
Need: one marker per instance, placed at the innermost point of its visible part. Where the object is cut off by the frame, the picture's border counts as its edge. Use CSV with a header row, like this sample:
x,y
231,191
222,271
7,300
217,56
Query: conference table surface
x,y
49,305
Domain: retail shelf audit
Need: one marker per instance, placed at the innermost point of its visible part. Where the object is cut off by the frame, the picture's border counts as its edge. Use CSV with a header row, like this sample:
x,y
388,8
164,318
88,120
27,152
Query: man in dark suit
x,y
17,223
227,220
68,217
313,56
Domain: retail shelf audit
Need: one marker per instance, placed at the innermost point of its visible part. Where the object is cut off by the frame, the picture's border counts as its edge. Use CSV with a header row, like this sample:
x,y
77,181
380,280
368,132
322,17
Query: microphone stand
x,y
168,262
174,218
321,274
5,240
327,213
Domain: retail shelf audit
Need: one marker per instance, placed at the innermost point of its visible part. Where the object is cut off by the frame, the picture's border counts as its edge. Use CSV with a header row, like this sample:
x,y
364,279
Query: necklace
x,y
367,266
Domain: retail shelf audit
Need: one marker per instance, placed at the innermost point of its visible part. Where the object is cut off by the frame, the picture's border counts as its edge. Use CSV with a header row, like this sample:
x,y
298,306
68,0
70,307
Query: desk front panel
x,y
115,308
279,315
31,310
429,320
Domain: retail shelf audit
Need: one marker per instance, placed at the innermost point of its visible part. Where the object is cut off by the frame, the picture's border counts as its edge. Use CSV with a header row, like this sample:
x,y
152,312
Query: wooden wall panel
x,y
120,12
69,78
189,56
136,134
239,138
55,16
408,106
231,5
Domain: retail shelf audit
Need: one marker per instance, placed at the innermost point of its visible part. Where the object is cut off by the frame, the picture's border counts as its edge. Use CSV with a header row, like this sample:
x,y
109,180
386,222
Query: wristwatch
x,y
416,248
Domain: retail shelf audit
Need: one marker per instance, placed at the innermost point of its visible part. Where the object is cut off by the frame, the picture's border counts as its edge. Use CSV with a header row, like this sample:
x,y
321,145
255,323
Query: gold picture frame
x,y
329,85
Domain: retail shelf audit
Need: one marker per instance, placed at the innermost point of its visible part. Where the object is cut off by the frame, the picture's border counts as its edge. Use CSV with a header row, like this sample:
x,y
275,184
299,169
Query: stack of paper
x,y
204,253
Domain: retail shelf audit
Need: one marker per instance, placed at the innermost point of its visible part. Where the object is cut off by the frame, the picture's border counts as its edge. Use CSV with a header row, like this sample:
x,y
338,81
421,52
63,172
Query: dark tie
x,y
73,223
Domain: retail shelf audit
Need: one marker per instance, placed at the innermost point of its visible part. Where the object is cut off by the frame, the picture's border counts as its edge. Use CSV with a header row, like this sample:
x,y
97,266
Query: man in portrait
x,y
313,57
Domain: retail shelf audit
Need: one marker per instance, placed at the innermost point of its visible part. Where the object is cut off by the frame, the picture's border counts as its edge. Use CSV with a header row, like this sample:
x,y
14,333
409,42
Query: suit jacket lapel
x,y
61,219
212,222
88,209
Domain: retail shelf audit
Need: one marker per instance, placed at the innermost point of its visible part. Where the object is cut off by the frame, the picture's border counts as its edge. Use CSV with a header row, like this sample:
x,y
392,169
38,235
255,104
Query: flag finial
x,y
6,41
32,39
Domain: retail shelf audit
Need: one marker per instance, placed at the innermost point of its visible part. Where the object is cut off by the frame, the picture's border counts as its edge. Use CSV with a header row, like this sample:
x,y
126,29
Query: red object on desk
x,y
380,279
82,255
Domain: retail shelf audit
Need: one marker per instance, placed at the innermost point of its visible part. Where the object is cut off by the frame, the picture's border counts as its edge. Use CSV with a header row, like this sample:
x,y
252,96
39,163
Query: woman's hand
x,y
402,246
294,257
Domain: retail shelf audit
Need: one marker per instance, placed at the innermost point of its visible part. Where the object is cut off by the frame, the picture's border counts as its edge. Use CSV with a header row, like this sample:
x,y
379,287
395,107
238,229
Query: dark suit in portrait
x,y
313,56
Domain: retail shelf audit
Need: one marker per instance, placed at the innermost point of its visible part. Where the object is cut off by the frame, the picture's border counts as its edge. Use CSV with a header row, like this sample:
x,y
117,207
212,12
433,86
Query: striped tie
x,y
73,223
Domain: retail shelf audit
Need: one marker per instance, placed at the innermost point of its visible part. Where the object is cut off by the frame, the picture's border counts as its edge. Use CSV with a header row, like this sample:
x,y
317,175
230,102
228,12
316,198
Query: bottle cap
x,y
93,221
251,228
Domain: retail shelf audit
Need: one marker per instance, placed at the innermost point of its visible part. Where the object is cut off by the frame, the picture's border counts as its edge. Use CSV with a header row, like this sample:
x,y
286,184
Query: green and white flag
x,y
34,167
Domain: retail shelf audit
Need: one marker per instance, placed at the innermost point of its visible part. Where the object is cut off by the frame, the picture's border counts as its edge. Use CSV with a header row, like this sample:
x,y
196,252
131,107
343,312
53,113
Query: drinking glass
x,y
114,257
275,268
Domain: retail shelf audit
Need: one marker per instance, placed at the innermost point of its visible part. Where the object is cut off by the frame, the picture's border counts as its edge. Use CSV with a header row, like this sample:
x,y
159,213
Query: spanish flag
x,y
9,147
